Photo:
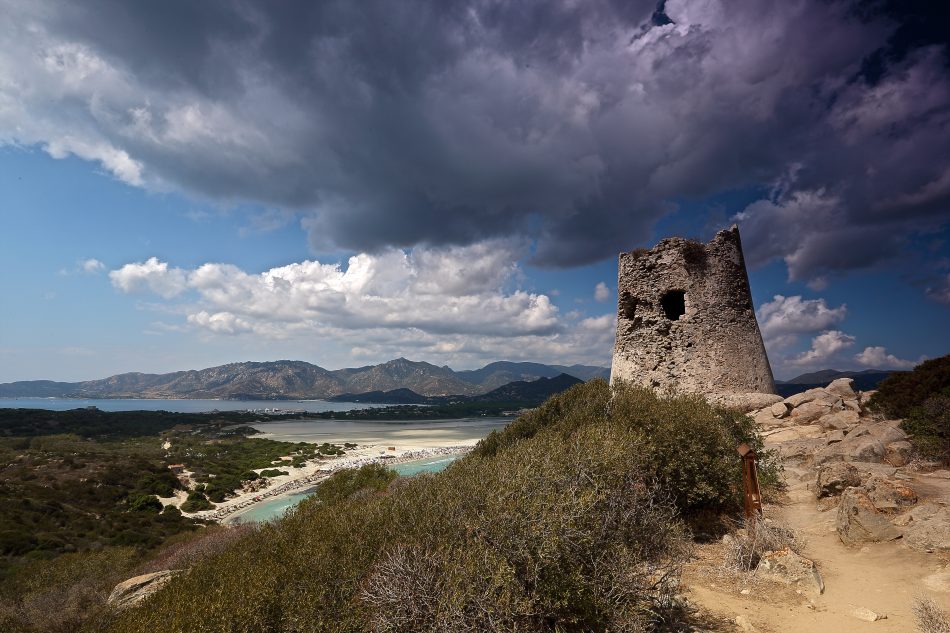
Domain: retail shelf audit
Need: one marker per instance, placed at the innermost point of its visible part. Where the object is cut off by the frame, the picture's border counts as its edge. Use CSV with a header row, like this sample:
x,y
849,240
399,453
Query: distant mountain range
x,y
864,380
298,380
520,391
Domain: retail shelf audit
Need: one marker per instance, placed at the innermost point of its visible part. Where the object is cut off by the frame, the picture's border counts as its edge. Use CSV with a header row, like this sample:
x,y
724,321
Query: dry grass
x,y
747,545
930,618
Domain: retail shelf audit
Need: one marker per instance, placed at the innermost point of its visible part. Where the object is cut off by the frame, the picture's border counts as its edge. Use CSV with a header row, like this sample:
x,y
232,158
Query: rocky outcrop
x,y
862,465
860,522
130,592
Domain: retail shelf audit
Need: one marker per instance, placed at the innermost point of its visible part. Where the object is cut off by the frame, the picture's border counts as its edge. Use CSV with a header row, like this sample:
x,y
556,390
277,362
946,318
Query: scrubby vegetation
x,y
922,398
573,518
79,506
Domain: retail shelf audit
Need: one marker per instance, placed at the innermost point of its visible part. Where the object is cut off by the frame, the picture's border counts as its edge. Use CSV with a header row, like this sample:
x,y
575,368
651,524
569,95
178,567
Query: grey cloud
x,y
574,123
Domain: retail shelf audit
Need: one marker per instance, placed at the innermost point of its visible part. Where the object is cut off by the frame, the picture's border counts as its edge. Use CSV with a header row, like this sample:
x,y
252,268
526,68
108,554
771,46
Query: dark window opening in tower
x,y
674,304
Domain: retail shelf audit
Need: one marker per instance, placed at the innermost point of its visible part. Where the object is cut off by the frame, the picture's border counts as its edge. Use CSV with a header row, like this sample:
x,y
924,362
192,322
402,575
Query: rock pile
x,y
860,463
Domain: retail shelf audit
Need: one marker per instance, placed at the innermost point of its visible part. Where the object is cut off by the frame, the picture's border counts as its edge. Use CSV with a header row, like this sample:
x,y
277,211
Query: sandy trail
x,y
883,577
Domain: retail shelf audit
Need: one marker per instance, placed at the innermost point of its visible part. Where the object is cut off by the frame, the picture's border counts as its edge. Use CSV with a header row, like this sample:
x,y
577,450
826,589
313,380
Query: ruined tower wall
x,y
714,346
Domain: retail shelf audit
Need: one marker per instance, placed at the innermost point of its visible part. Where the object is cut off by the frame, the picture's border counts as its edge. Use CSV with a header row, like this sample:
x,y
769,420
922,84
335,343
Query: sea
x,y
181,406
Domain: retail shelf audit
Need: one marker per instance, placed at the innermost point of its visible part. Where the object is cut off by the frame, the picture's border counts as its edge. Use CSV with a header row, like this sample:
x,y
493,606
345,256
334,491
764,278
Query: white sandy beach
x,y
315,471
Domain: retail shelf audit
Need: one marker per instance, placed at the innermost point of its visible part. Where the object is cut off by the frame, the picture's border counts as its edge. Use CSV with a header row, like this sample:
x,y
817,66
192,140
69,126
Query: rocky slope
x,y
860,466
300,380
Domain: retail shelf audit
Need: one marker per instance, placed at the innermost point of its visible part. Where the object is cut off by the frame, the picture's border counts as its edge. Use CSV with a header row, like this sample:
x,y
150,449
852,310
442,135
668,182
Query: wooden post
x,y
750,483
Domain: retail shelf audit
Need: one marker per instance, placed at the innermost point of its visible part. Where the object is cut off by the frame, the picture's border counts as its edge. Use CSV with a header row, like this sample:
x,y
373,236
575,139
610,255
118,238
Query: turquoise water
x,y
179,406
428,465
275,508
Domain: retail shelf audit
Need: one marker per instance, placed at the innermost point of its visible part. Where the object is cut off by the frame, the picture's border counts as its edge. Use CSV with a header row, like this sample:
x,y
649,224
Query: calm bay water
x,y
180,406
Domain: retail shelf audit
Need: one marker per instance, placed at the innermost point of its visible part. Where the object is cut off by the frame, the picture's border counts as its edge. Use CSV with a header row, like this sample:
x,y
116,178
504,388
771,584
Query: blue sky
x,y
248,185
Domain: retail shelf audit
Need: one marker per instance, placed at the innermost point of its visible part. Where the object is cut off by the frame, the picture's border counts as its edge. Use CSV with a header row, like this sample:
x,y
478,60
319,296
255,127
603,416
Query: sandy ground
x,y
315,471
883,577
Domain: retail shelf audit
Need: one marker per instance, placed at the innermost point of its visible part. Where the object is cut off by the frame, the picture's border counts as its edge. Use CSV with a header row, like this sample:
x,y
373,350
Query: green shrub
x,y
902,391
196,502
567,520
922,398
346,483
929,427
144,503
273,472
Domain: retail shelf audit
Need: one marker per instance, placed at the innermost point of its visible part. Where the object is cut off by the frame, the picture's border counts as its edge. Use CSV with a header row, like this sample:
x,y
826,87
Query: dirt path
x,y
882,577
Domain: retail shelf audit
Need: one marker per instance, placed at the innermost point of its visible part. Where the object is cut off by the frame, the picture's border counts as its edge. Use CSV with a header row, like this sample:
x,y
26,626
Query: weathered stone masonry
x,y
685,319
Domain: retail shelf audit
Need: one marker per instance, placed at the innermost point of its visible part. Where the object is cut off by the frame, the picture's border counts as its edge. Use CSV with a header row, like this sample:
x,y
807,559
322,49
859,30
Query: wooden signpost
x,y
750,482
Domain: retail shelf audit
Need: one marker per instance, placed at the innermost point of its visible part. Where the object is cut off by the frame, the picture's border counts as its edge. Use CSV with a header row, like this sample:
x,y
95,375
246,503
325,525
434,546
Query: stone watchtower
x,y
685,319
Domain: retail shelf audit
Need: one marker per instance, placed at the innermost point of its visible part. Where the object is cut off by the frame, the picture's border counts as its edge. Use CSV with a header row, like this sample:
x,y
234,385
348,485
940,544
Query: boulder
x,y
799,399
130,592
843,388
833,479
852,405
839,420
898,453
888,496
834,436
801,451
779,410
765,419
787,567
928,527
863,613
859,521
809,412
863,448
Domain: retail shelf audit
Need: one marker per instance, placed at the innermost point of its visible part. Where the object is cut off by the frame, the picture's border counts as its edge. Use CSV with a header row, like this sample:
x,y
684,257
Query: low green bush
x,y
144,503
196,502
273,472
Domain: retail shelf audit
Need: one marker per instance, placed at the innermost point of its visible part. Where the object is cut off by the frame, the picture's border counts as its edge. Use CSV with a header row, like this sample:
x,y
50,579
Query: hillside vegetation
x,y
573,518
922,398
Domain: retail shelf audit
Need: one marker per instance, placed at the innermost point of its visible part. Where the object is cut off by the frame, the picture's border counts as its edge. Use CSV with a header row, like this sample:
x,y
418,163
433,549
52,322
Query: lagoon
x,y
276,507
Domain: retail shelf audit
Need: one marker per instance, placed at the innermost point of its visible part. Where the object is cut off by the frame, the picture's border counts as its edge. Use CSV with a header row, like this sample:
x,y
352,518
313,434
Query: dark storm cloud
x,y
576,123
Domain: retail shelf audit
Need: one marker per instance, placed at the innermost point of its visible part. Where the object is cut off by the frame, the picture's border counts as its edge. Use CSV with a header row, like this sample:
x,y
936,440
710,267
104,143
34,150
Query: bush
x,y
900,392
144,503
273,472
196,502
922,398
929,427
567,520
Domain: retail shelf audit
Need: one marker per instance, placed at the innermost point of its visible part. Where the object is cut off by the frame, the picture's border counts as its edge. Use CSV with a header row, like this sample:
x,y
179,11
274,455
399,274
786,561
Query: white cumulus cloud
x,y
454,303
826,347
91,266
601,292
794,315
150,275
878,358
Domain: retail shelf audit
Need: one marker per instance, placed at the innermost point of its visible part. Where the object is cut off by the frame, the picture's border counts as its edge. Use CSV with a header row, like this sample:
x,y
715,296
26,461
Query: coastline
x,y
312,474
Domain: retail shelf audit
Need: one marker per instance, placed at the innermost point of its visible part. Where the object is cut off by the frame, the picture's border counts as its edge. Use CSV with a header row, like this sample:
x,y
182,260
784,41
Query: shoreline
x,y
312,474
